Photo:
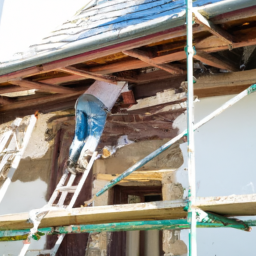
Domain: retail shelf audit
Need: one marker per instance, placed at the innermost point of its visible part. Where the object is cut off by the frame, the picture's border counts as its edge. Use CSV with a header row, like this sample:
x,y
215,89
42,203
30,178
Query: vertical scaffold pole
x,y
190,125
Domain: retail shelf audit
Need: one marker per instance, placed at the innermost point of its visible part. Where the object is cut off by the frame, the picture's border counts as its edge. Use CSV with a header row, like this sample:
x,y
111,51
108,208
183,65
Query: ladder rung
x,y
41,251
70,189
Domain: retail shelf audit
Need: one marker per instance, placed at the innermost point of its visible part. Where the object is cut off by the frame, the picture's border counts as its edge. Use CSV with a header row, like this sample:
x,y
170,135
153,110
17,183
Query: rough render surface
x,y
129,155
36,164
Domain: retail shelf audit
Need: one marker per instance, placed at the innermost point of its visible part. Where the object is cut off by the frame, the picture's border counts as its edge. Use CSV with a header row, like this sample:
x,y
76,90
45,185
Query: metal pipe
x,y
143,161
13,235
190,128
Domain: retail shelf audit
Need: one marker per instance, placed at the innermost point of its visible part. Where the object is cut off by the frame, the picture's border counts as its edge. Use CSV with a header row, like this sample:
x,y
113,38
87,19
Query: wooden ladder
x,y
11,151
64,190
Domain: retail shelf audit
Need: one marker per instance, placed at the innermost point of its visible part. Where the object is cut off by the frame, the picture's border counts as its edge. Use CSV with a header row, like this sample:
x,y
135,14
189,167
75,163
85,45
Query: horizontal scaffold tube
x,y
142,162
12,235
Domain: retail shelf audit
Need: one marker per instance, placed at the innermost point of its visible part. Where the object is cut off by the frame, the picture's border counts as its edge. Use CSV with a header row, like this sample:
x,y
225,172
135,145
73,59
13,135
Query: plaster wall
x,y
29,185
225,165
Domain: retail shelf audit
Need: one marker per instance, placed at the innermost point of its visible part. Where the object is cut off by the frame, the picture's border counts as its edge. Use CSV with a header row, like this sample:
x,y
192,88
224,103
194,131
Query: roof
x,y
113,22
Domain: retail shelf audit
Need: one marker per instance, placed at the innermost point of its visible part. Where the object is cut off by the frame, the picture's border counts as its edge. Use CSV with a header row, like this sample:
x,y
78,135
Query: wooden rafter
x,y
136,64
14,104
42,86
214,29
170,33
11,88
145,58
224,84
215,62
86,74
104,78
5,101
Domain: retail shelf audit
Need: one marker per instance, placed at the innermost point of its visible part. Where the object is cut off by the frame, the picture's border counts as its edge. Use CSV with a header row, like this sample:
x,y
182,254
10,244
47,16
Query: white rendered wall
x,y
225,165
25,196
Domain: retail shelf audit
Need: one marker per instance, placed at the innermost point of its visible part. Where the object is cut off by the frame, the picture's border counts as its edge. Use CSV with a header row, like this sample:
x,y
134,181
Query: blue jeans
x,y
91,117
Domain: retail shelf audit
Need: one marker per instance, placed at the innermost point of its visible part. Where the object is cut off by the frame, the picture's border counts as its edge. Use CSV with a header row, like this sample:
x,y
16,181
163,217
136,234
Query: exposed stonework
x,y
172,245
98,242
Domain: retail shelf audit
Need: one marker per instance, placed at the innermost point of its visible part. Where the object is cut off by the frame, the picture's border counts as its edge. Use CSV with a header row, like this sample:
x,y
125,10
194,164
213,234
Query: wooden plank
x,y
235,205
145,58
137,175
42,86
138,178
100,214
224,84
242,205
215,62
211,27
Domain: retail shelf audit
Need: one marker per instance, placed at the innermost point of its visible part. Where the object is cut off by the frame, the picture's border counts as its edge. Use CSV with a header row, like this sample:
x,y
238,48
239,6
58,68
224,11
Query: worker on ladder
x,y
91,114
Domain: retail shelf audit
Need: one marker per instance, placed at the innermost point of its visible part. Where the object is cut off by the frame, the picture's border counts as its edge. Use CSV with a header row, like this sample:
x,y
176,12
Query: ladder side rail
x,y
17,158
82,181
73,200
7,134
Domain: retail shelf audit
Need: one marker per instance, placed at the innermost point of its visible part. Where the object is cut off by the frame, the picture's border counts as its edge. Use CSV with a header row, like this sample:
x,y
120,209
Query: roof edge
x,y
84,46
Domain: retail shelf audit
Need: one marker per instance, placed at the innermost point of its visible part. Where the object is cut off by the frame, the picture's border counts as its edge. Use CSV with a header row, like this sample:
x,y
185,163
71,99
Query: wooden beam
x,y
5,101
224,84
42,86
86,74
145,58
234,205
215,30
215,62
136,64
135,43
155,76
11,88
99,77
63,79
242,205
37,101
137,175
100,214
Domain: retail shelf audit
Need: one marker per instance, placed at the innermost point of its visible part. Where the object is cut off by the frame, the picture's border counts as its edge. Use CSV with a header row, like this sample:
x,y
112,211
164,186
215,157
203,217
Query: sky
x,y
26,22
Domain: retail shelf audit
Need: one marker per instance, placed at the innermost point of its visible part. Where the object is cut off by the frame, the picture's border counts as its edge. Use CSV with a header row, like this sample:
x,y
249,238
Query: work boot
x,y
83,163
71,166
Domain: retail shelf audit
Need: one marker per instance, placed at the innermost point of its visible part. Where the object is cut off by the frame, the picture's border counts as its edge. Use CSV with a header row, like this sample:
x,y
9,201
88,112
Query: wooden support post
x,y
215,62
42,86
215,30
145,58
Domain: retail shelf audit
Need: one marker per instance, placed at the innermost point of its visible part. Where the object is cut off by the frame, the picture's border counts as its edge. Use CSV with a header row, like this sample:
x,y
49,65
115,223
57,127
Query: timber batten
x,y
243,205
